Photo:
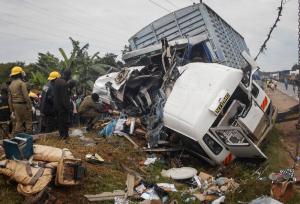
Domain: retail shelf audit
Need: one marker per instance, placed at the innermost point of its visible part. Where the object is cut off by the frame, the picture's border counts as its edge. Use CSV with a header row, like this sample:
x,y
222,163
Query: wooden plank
x,y
105,195
130,184
174,149
132,142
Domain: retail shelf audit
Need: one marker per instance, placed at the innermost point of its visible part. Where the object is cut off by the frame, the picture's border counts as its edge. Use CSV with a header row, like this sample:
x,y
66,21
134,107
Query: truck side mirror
x,y
251,68
250,61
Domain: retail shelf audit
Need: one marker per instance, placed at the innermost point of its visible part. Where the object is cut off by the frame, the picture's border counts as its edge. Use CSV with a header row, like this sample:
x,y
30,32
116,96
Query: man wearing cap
x,y
62,105
47,105
19,101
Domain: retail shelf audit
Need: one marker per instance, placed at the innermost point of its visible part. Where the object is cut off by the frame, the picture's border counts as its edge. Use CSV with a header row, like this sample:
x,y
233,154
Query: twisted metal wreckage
x,y
231,119
142,91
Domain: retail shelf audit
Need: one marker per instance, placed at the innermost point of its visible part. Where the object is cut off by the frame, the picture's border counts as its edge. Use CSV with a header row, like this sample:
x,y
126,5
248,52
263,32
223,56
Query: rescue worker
x,y
62,103
4,107
47,105
19,101
89,110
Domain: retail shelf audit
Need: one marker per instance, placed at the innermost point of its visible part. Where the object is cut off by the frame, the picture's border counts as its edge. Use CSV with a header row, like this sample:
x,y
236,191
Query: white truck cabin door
x,y
237,142
260,96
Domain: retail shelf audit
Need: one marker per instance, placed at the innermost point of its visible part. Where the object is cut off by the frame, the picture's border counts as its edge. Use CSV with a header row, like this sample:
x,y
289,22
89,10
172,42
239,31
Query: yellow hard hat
x,y
54,75
32,95
16,70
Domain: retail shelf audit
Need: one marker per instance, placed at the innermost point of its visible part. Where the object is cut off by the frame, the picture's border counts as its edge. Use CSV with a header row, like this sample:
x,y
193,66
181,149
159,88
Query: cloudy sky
x,y
31,26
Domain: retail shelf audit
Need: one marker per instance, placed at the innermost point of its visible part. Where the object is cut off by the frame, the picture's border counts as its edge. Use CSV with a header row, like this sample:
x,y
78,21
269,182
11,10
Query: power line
x,y
31,28
47,13
192,1
9,34
264,45
160,6
70,20
54,36
67,20
68,32
170,2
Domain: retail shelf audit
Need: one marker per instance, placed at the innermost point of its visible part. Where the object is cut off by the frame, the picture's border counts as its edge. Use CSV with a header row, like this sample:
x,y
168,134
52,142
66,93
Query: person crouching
x,y
90,110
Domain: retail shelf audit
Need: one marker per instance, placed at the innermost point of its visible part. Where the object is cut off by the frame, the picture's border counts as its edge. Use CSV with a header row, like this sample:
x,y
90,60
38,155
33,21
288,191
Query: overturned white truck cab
x,y
211,105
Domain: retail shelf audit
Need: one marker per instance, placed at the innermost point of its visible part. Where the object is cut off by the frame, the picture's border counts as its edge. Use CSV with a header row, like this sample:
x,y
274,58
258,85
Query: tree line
x,y
85,67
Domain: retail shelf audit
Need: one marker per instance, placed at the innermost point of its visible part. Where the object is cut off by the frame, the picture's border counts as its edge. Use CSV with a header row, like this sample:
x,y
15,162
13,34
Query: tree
x,y
86,68
38,79
294,67
5,70
47,63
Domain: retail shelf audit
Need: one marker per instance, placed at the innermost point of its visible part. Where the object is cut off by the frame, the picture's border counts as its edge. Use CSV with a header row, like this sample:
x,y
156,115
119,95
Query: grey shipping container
x,y
221,43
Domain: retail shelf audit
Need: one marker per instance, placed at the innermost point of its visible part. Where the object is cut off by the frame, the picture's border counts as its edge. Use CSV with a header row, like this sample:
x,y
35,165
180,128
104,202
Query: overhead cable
x,y
264,45
170,2
160,6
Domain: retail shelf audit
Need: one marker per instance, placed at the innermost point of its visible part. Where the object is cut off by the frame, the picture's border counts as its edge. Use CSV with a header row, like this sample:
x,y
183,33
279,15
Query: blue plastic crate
x,y
19,148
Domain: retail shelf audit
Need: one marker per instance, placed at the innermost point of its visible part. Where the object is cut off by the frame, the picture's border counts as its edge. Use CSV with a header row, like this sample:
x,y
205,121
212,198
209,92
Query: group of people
x,y
55,104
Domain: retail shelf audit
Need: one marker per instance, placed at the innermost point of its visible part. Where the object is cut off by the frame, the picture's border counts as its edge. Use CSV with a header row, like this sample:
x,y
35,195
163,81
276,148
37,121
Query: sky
x,y
28,27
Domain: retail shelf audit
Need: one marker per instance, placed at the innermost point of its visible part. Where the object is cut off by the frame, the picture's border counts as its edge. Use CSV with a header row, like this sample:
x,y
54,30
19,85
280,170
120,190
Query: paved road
x,y
289,91
281,100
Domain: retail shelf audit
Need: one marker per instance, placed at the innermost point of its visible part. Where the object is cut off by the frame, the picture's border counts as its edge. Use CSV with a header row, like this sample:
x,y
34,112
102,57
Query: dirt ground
x,y
290,135
118,152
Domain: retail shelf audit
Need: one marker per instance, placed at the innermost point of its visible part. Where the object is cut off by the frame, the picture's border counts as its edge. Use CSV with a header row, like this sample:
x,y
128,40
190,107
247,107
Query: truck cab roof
x,y
198,96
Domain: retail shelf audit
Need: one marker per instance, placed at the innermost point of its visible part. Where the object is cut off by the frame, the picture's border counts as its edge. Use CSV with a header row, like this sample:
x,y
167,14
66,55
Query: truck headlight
x,y
212,144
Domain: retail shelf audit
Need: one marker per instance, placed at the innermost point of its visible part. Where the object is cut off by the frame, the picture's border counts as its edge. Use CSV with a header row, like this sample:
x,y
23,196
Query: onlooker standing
x,y
62,103
286,83
47,106
275,84
19,101
294,86
4,107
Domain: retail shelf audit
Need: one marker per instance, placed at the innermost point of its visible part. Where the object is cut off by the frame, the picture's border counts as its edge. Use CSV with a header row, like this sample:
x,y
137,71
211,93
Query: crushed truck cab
x,y
210,105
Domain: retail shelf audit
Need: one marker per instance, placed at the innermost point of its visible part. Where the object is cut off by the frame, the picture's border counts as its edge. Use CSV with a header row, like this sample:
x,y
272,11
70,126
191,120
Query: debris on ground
x,y
135,188
283,182
179,173
150,160
77,132
106,196
94,158
33,167
213,189
167,187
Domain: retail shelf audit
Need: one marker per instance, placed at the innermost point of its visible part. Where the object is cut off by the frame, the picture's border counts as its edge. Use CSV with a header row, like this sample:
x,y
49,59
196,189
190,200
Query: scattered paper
x,y
150,160
167,187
